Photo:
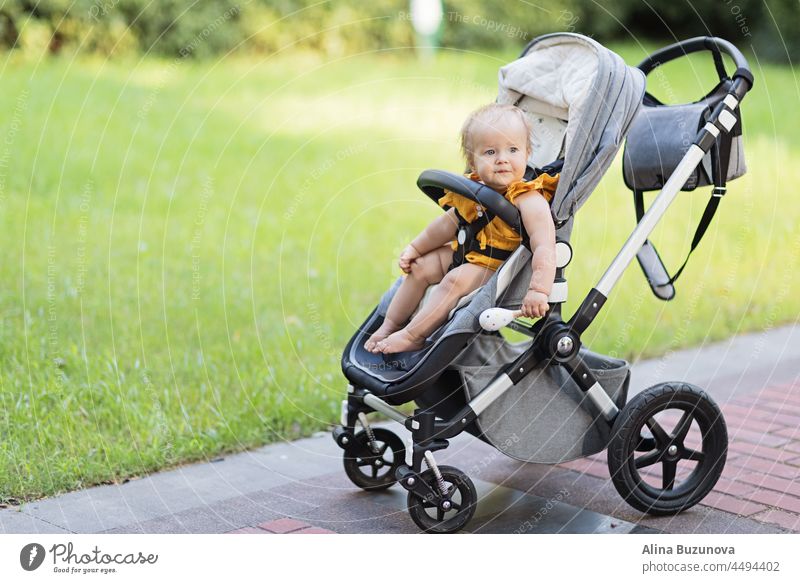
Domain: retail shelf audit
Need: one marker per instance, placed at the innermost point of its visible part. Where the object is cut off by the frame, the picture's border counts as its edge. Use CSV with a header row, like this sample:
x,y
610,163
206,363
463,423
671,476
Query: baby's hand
x,y
407,257
535,304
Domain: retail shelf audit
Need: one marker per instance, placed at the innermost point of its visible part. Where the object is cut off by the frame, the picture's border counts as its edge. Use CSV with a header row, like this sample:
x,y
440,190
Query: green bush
x,y
777,33
168,27
177,28
476,25
204,28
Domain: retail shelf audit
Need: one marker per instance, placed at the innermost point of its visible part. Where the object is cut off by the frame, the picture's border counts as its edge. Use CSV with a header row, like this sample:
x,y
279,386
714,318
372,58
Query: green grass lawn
x,y
187,248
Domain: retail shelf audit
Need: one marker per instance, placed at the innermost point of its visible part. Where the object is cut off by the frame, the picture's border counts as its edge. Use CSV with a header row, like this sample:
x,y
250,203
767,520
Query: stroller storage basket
x,y
545,418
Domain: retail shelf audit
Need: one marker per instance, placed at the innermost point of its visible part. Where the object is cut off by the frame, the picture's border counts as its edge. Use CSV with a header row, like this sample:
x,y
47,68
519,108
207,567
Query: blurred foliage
x,y
203,28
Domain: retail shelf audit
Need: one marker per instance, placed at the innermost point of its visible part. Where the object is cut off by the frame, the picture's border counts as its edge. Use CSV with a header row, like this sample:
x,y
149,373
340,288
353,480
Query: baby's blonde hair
x,y
487,115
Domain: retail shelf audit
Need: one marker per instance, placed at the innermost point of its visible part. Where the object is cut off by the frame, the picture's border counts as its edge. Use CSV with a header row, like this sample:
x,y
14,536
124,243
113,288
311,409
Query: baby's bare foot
x,y
400,341
385,329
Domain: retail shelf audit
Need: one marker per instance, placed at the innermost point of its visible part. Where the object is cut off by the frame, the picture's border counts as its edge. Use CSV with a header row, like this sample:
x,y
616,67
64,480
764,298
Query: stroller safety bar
x,y
434,182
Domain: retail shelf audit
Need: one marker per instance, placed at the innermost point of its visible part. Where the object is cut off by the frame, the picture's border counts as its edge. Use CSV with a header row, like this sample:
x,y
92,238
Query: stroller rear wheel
x,y
663,471
440,514
372,467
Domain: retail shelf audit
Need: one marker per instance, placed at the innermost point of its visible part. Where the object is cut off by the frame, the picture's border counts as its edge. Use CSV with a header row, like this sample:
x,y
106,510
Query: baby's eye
x,y
489,152
514,149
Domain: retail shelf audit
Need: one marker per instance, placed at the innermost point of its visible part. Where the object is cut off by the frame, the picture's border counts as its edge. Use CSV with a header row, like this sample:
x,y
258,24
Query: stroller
x,y
549,399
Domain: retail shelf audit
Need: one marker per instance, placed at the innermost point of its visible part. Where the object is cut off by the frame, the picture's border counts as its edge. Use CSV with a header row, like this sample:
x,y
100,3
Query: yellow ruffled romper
x,y
497,234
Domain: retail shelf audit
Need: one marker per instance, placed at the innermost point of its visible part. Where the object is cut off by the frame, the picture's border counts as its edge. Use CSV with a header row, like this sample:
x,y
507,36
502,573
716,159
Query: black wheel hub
x,y
369,459
371,464
437,512
668,449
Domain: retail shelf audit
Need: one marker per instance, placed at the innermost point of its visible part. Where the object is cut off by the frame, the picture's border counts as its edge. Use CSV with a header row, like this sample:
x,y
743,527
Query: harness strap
x,y
467,241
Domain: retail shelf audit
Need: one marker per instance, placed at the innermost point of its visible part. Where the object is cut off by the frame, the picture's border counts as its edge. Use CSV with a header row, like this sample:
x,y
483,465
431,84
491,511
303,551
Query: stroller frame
x,y
555,341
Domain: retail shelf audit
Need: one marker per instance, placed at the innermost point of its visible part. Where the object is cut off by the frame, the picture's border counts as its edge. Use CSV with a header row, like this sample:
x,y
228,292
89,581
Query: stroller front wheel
x,y
444,514
668,448
372,466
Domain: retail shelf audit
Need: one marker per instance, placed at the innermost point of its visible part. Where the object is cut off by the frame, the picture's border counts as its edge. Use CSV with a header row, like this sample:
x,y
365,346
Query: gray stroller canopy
x,y
581,98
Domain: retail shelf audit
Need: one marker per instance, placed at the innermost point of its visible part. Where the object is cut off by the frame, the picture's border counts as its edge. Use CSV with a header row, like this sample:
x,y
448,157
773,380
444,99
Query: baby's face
x,y
500,152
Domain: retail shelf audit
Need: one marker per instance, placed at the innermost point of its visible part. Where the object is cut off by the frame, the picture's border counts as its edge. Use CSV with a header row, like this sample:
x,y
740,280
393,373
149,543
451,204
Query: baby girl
x,y
495,141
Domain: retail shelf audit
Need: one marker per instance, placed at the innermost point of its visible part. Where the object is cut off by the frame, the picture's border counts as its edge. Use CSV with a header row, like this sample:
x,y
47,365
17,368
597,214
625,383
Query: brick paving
x,y
761,479
771,466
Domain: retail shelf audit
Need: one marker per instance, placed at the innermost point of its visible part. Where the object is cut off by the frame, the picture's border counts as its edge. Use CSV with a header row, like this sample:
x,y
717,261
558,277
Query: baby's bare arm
x,y
439,232
538,222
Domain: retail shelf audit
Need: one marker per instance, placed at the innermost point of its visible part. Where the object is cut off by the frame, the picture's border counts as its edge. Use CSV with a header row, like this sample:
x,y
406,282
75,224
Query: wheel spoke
x,y
682,428
648,459
362,462
374,471
645,444
455,506
669,468
691,454
382,450
439,514
658,432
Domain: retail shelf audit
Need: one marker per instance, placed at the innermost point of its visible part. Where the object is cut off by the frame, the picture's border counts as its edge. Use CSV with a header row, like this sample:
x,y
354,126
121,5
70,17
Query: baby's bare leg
x,y
425,271
457,283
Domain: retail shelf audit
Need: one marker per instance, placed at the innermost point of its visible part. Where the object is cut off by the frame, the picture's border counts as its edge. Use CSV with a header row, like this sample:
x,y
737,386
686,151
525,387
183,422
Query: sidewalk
x,y
300,487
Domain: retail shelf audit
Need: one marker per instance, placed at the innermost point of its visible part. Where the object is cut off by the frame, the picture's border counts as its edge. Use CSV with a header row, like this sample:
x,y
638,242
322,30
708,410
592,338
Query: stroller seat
x,y
400,378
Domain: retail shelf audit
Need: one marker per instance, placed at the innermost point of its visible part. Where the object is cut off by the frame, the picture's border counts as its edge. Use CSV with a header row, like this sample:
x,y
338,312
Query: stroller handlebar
x,y
743,77
434,182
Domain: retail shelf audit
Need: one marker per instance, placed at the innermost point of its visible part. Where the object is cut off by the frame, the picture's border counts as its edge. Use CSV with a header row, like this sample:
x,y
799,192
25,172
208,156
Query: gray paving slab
x,y
363,517
200,484
298,460
91,510
12,521
728,368
196,520
222,516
